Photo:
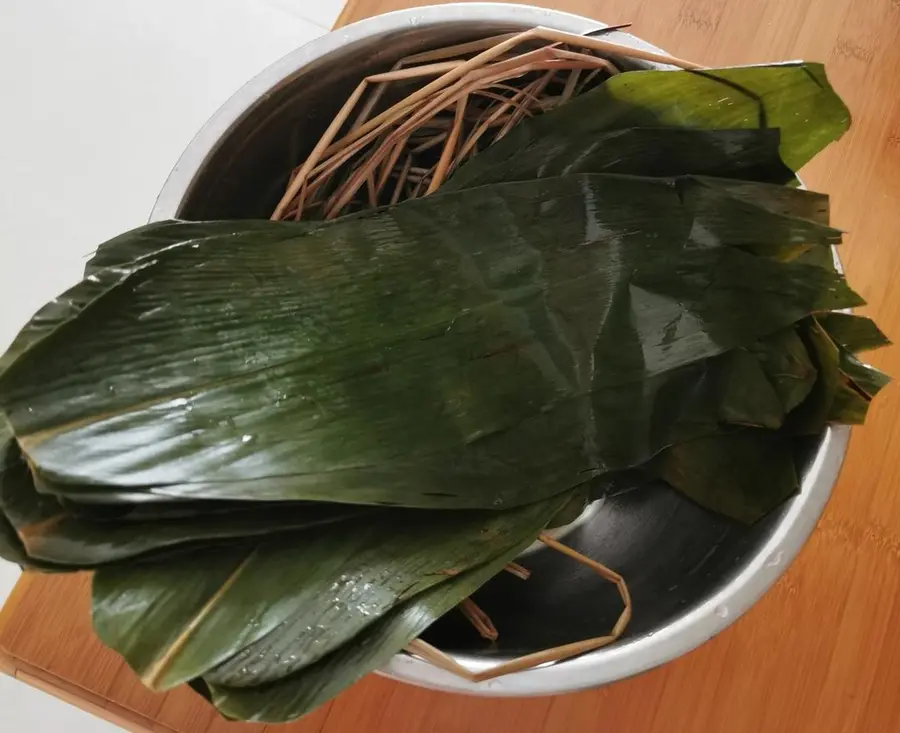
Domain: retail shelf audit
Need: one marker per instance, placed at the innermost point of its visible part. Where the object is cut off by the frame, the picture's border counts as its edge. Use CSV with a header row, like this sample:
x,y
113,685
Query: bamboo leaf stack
x,y
287,447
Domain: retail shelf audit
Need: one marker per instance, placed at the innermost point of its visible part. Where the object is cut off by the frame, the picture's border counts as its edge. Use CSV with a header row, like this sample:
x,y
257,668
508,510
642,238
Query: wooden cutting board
x,y
821,652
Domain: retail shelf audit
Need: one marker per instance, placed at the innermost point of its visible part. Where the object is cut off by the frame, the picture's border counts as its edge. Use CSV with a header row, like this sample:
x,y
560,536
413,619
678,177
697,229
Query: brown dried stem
x,y
444,164
479,619
471,95
515,569
438,658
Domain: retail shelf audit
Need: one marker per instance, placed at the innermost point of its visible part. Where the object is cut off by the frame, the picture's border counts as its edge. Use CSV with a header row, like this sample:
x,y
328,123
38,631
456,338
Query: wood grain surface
x,y
821,652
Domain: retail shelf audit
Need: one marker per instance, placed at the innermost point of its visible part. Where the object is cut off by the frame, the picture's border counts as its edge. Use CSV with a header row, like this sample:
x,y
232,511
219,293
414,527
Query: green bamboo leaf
x,y
12,550
490,346
139,244
11,547
815,256
669,315
752,386
781,223
795,98
785,360
295,695
580,498
744,475
751,155
135,513
50,532
436,482
854,333
113,262
175,620
358,482
65,309
845,386
795,203
849,405
747,396
859,382
814,414
811,417
867,379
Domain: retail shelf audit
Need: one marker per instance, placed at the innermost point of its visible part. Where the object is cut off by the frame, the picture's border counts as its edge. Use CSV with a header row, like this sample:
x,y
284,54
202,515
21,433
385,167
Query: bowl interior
x,y
673,554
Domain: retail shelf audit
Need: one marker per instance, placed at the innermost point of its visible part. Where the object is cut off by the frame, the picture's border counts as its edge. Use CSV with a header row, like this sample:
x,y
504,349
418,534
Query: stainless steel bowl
x,y
691,574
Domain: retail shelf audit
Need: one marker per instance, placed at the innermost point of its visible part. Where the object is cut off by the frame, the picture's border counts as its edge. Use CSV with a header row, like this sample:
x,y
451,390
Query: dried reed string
x,y
354,184
533,92
515,569
401,180
447,52
373,148
444,164
489,54
479,619
435,656
537,61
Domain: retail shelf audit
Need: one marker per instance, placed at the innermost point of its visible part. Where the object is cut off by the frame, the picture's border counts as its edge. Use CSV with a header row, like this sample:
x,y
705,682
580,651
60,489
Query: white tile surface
x,y
99,98
320,12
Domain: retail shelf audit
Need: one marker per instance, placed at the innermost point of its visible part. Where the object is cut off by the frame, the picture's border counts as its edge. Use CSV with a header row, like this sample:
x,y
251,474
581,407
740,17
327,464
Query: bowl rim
x,y
632,656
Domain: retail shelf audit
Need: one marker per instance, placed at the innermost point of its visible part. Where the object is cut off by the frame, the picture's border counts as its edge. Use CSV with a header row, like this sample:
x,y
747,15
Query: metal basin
x,y
691,574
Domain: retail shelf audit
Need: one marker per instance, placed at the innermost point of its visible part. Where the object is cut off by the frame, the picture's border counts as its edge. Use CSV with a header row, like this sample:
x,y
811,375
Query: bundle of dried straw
x,y
409,134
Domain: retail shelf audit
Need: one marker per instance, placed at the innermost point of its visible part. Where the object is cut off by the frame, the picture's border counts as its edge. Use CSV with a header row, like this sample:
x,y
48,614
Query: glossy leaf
x,y
240,404
134,513
795,203
747,395
859,383
11,473
630,350
300,693
139,244
51,532
854,333
849,405
743,475
817,257
794,98
113,261
11,548
812,417
845,386
756,385
751,155
785,359
867,379
65,309
276,605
